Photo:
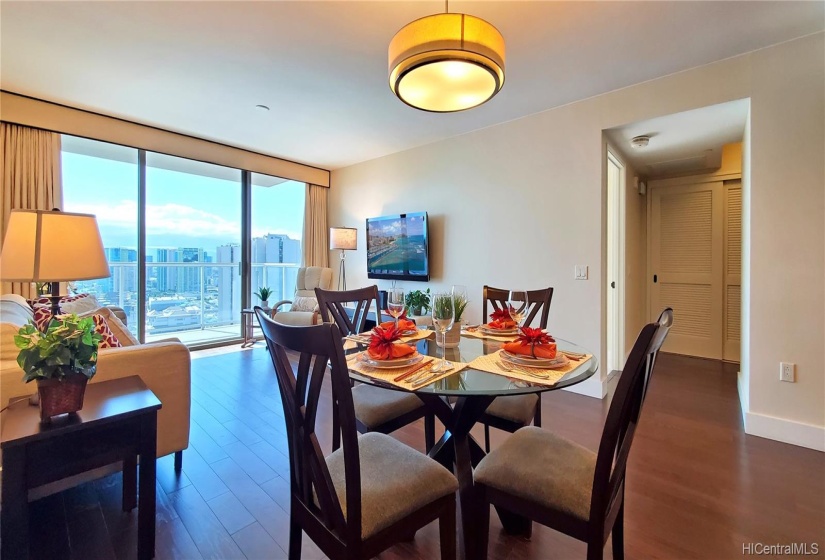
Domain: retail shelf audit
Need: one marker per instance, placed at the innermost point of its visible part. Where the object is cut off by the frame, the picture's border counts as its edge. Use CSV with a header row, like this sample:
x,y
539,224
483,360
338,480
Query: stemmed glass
x,y
443,318
395,303
518,305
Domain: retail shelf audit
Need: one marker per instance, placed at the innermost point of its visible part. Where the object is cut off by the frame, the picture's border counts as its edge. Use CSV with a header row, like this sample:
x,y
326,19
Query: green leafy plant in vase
x,y
452,337
418,302
61,360
263,294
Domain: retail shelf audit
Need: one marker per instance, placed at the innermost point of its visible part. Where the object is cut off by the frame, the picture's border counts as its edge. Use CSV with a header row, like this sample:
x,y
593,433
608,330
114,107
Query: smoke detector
x,y
640,141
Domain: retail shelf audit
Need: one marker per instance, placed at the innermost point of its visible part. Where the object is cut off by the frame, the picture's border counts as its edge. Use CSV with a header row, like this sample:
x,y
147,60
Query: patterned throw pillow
x,y
42,317
102,328
300,303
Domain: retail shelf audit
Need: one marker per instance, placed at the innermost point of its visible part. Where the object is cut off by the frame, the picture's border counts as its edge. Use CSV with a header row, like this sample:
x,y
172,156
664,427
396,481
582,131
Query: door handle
x,y
655,278
613,284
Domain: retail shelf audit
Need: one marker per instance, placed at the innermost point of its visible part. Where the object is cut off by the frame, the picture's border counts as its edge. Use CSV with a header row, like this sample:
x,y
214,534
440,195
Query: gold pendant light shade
x,y
446,62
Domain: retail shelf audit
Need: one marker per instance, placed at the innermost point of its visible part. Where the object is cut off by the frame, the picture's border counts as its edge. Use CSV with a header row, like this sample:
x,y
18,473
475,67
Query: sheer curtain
x,y
315,242
30,175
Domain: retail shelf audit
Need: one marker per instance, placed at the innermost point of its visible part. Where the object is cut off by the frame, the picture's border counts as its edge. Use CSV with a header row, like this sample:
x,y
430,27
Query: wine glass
x,y
443,318
395,303
518,305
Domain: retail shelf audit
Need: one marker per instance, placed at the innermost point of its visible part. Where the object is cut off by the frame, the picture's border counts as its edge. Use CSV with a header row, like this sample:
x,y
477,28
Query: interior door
x,y
687,265
733,269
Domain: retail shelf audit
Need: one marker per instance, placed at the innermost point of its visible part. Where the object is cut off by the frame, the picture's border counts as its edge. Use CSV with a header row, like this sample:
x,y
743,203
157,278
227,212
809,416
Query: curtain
x,y
315,242
30,179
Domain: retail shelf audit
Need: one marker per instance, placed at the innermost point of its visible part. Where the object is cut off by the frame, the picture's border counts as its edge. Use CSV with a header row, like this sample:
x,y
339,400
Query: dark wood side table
x,y
118,423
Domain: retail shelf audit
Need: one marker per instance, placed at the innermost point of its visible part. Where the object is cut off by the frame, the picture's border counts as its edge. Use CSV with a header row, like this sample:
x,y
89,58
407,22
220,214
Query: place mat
x,y
479,334
488,363
388,375
420,334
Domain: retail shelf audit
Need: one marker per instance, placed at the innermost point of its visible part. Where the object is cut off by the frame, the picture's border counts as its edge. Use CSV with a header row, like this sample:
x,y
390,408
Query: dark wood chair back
x,y
539,302
314,501
331,303
622,419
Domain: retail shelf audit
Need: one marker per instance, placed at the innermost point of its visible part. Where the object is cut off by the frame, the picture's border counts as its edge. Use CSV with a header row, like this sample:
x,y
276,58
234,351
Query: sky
x,y
183,210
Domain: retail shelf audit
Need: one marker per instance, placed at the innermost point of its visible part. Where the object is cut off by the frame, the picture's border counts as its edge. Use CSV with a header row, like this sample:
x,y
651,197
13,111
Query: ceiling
x,y
201,67
688,142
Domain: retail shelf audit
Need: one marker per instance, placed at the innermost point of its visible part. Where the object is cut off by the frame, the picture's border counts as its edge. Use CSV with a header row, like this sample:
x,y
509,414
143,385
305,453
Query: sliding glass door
x,y
277,223
102,179
187,218
193,250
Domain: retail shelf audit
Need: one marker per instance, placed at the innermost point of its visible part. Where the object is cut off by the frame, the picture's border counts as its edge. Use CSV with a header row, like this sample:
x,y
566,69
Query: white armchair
x,y
303,310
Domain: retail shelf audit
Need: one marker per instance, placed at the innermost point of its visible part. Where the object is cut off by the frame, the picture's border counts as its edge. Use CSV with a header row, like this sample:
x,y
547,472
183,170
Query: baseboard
x,y
784,430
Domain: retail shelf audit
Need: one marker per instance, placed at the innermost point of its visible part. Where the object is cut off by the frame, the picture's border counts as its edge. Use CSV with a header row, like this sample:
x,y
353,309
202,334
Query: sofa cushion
x,y
15,310
81,303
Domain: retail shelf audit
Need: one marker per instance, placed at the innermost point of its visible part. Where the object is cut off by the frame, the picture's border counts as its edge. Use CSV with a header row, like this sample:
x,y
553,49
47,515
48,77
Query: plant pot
x,y
451,338
265,303
59,396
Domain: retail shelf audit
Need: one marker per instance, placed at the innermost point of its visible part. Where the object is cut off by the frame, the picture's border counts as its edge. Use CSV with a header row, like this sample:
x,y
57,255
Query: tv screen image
x,y
397,247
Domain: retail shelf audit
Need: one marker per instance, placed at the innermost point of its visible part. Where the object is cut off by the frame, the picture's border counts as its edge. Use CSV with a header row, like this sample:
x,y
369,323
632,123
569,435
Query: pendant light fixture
x,y
446,62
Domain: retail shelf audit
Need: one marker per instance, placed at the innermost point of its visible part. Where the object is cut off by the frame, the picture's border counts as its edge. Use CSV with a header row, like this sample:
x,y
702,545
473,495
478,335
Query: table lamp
x,y
52,246
345,239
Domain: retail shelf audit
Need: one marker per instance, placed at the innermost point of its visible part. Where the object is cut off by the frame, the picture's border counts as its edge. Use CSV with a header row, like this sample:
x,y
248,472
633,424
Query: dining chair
x,y
372,492
376,409
511,413
563,485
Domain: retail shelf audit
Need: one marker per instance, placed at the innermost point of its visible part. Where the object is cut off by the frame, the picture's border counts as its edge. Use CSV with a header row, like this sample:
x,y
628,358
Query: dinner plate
x,y
409,332
396,363
502,332
559,361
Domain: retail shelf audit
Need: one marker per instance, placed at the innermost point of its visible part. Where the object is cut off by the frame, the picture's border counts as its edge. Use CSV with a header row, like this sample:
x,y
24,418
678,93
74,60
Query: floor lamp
x,y
344,239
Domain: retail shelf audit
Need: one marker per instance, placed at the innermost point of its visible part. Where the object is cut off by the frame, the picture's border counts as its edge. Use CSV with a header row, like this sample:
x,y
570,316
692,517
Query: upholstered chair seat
x,y
396,480
550,470
517,408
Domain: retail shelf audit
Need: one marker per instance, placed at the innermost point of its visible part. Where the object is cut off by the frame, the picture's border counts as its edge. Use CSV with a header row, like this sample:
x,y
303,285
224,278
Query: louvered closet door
x,y
686,258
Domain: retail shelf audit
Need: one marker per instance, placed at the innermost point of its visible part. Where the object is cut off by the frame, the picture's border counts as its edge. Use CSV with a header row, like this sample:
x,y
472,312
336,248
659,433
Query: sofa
x,y
303,309
163,366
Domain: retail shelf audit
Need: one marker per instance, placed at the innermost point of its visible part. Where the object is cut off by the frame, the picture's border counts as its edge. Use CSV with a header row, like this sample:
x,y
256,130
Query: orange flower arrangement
x,y
383,347
500,319
533,342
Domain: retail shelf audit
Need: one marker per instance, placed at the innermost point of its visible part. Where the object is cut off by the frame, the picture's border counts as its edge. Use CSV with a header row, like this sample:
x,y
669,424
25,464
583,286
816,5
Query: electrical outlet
x,y
580,272
787,372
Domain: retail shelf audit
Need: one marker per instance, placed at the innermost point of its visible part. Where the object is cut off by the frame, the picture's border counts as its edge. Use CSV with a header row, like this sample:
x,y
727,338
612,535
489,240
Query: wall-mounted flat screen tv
x,y
398,247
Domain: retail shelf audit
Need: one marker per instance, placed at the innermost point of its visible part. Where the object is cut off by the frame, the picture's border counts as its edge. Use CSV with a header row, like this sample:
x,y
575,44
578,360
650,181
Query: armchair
x,y
303,308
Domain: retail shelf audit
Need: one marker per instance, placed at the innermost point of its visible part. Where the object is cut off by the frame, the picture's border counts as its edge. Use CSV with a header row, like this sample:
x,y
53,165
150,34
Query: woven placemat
x,y
488,363
479,334
388,376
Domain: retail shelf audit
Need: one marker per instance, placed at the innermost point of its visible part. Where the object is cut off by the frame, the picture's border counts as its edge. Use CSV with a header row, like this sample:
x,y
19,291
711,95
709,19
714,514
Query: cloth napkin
x,y
403,324
390,351
547,351
502,324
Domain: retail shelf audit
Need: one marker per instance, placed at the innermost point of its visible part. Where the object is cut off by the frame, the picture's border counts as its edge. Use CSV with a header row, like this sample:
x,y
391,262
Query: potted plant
x,y
61,360
452,337
418,302
264,294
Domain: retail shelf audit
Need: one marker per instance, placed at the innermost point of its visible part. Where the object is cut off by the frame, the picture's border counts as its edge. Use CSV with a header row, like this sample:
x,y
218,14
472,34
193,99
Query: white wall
x,y
635,277
521,203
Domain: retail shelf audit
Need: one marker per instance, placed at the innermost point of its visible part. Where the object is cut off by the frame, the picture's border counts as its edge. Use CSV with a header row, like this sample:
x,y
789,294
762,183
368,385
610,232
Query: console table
x,y
118,423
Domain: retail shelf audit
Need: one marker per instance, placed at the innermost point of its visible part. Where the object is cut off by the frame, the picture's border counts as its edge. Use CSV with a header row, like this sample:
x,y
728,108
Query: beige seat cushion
x,y
517,408
396,480
375,406
544,468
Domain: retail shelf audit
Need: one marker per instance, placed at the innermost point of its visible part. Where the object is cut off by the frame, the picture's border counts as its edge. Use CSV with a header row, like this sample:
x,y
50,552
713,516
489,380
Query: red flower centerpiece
x,y
534,343
383,346
500,319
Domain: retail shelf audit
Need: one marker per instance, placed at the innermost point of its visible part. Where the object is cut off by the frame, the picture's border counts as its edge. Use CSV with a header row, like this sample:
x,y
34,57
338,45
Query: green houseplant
x,y
263,294
62,360
418,302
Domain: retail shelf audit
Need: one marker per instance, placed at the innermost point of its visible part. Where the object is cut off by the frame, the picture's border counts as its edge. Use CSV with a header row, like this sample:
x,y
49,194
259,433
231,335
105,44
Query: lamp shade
x,y
52,246
343,238
446,62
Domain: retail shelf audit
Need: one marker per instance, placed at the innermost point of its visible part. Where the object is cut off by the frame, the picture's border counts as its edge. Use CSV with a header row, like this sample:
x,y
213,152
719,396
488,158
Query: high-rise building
x,y
271,249
123,278
229,283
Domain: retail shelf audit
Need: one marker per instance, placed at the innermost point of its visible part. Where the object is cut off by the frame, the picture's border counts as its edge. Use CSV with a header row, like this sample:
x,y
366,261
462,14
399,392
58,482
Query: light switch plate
x,y
580,272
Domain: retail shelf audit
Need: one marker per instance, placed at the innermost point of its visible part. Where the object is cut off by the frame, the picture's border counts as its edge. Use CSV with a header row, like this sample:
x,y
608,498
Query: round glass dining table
x,y
459,400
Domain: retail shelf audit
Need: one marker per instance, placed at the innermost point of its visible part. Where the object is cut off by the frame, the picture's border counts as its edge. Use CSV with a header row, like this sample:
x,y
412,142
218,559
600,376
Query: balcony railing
x,y
190,296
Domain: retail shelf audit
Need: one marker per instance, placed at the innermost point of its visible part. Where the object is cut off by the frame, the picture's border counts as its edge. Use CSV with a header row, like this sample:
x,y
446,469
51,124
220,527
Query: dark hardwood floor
x,y
697,486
